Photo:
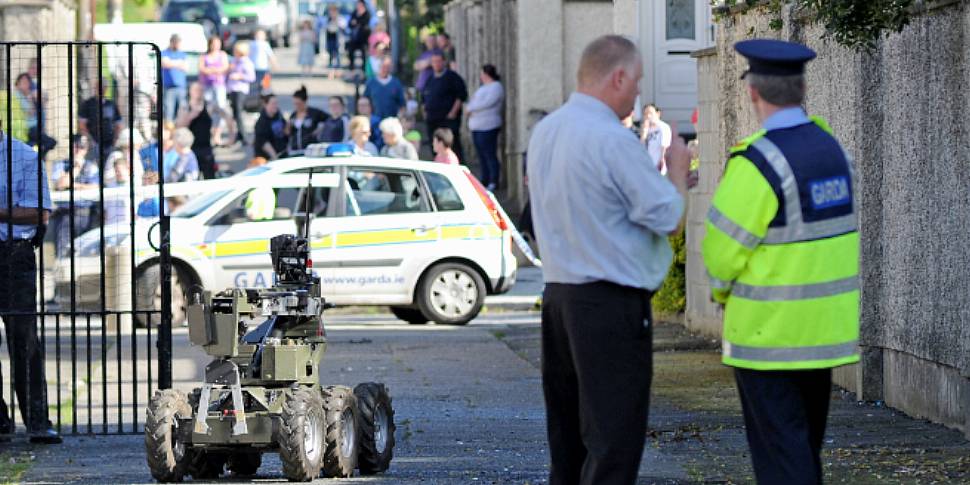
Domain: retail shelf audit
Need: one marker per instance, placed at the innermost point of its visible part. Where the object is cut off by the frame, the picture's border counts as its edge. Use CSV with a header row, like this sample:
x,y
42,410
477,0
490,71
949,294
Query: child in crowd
x,y
410,104
442,143
150,206
412,135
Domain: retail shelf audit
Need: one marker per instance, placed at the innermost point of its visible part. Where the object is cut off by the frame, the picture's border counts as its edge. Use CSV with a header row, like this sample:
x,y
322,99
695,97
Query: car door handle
x,y
319,235
423,228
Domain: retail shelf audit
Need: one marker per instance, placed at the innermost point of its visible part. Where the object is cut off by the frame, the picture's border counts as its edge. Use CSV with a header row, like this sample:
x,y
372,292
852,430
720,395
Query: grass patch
x,y
890,465
695,381
13,466
66,413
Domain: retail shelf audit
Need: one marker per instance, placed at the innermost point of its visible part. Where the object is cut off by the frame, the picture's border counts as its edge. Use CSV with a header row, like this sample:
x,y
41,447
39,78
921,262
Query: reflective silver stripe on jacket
x,y
734,231
719,284
790,354
796,229
796,292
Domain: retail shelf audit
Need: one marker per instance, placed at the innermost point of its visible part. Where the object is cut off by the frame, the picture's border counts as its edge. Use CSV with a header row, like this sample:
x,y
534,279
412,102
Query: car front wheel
x,y
149,288
451,293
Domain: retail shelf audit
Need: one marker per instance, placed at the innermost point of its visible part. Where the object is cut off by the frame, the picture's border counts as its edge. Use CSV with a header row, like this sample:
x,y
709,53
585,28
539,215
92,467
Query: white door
x,y
670,30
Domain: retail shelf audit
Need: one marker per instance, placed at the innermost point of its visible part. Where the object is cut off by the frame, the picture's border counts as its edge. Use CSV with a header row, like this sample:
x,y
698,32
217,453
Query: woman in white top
x,y
655,134
360,136
485,123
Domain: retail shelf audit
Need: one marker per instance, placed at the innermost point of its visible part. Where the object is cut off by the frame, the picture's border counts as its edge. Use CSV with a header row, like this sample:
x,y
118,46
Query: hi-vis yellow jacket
x,y
782,251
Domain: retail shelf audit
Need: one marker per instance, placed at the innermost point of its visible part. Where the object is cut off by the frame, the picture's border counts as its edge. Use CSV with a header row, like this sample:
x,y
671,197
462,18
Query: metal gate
x,y
91,114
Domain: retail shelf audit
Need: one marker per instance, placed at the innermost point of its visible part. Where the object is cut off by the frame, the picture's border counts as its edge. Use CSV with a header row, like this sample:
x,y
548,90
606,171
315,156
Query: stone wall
x,y
484,33
901,113
536,45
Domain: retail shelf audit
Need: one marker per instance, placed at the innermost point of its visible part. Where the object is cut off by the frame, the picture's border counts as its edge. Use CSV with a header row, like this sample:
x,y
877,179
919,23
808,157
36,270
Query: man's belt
x,y
16,243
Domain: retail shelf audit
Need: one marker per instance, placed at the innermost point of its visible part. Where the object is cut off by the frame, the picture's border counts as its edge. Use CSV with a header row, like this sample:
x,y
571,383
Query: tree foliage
x,y
857,24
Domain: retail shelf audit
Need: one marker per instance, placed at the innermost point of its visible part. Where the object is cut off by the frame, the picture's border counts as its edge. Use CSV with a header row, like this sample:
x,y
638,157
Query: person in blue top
x,y
365,108
25,207
385,91
174,66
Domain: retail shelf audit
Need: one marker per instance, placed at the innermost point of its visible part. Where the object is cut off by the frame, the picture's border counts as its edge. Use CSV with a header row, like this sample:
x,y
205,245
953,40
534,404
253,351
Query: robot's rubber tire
x,y
414,316
206,465
340,460
301,434
168,459
436,302
244,463
376,428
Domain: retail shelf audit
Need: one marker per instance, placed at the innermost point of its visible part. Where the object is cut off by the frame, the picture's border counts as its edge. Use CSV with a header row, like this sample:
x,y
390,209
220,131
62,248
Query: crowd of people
x,y
199,116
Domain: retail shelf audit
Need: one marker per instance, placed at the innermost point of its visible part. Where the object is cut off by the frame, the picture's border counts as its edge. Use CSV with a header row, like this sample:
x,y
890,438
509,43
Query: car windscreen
x,y
199,204
187,11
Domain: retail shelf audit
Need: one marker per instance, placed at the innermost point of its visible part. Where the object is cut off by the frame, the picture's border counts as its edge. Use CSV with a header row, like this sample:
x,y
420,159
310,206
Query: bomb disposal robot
x,y
262,392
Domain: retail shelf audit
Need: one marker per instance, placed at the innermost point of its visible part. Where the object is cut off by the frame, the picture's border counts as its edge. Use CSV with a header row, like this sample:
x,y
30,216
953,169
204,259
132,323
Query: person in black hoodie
x,y
336,129
270,135
359,33
306,124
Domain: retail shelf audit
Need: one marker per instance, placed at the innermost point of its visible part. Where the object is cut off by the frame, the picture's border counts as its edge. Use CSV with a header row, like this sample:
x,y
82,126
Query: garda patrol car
x,y
424,238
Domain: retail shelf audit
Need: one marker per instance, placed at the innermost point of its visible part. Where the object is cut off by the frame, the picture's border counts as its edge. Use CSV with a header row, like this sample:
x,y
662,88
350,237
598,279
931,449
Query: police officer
x,y
782,251
22,225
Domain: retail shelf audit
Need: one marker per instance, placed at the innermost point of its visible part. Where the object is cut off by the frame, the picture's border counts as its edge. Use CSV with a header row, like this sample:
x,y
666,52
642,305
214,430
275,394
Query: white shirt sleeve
x,y
665,135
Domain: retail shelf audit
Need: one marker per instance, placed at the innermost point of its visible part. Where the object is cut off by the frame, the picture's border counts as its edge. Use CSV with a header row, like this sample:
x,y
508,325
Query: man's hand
x,y
678,164
677,159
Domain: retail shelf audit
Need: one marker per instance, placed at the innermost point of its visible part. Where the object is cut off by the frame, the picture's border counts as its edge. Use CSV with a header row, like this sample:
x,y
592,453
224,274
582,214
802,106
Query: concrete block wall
x,y
900,111
536,45
484,33
703,315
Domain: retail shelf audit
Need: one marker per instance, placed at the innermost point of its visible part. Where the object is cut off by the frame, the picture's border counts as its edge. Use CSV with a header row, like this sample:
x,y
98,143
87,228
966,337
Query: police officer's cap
x,y
774,57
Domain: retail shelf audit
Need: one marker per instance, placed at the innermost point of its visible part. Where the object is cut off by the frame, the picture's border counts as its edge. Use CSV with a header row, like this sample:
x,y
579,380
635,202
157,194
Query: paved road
x,y
468,408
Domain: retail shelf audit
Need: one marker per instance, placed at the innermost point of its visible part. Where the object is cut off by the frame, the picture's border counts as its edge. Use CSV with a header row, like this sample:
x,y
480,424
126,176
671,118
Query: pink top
x,y
214,61
376,38
448,156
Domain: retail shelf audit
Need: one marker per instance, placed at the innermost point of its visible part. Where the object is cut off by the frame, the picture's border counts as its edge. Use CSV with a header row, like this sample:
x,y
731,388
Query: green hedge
x,y
671,298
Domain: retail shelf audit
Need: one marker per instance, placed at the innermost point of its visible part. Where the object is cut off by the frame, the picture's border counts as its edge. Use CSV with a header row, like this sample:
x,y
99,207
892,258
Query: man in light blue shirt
x,y
25,206
174,69
602,213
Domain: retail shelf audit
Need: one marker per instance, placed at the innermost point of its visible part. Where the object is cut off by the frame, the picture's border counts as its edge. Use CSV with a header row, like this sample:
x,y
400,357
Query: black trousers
x,y
455,127
785,414
597,365
236,101
18,299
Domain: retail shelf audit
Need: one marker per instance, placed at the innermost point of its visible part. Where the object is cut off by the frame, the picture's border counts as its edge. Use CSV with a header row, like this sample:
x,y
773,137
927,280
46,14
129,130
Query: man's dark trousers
x,y
785,414
597,364
455,127
18,286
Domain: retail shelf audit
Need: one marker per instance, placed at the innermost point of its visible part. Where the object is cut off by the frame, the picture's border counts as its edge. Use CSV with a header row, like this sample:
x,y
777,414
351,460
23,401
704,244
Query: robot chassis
x,y
262,392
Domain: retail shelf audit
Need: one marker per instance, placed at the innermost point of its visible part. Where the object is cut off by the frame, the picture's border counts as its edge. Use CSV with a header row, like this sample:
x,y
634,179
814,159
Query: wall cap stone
x,y
705,52
918,7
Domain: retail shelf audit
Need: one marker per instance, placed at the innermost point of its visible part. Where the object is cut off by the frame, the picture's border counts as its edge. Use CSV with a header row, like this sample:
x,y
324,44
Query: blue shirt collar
x,y
786,118
587,102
